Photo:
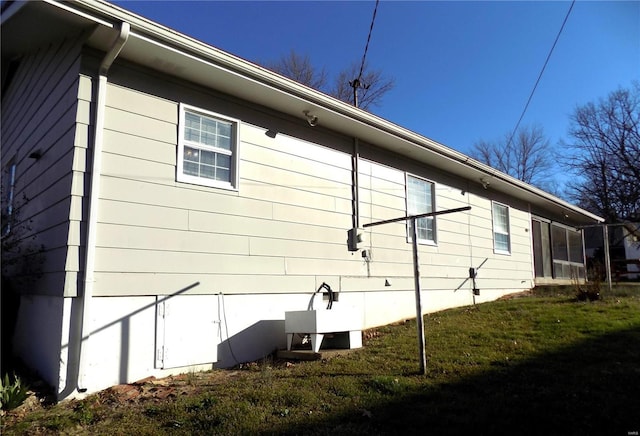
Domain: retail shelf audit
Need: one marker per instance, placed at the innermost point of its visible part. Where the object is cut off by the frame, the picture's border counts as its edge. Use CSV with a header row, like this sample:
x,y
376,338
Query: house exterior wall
x,y
264,248
156,235
284,229
39,344
45,110
233,260
464,240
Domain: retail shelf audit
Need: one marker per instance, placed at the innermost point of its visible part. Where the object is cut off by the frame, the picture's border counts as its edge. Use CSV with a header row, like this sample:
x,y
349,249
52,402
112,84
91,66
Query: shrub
x,y
12,394
590,290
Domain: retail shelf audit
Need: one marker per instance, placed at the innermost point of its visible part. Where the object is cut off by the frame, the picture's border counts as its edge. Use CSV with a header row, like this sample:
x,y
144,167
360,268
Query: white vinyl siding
x,y
421,199
501,231
288,215
207,149
283,229
43,111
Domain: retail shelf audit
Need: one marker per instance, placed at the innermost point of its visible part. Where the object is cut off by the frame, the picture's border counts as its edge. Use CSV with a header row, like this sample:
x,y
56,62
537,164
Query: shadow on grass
x,y
592,388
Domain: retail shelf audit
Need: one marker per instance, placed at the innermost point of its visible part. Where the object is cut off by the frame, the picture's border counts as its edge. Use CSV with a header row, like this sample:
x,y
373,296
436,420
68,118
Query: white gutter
x,y
191,47
94,194
75,11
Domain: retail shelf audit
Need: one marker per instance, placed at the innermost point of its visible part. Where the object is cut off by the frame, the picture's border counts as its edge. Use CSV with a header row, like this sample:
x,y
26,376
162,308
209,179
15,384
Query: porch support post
x,y
607,256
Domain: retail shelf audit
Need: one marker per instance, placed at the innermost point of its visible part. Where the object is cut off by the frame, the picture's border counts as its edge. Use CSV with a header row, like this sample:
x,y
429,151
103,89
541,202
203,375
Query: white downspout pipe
x,y
94,194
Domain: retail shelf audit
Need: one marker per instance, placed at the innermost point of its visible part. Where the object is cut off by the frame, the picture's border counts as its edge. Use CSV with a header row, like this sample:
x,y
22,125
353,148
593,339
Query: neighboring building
x,y
624,250
185,202
631,241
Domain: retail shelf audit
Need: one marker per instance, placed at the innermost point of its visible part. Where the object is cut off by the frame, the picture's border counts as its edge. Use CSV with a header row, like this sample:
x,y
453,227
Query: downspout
x,y
533,251
355,177
355,186
94,193
607,255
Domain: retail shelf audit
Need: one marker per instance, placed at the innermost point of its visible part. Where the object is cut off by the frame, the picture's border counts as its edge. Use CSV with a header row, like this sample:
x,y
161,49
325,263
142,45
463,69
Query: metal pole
x,y
416,276
416,271
356,85
607,256
355,184
422,215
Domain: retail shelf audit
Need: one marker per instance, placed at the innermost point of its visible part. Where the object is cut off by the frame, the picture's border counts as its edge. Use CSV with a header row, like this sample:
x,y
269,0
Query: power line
x,y
526,106
356,83
366,48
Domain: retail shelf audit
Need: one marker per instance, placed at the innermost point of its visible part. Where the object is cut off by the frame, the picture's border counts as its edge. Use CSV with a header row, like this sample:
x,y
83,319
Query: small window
x,y
421,199
207,149
8,188
501,232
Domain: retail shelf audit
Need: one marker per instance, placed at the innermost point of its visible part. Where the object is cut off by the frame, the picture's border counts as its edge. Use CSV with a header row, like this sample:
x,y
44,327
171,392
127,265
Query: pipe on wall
x,y
94,192
355,185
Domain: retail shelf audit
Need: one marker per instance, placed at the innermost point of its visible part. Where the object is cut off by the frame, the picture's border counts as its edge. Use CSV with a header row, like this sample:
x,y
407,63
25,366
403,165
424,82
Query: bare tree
x,y
373,86
300,68
525,156
604,154
22,258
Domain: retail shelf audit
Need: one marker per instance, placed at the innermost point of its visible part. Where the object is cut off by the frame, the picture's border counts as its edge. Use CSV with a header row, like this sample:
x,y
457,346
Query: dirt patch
x,y
150,389
522,294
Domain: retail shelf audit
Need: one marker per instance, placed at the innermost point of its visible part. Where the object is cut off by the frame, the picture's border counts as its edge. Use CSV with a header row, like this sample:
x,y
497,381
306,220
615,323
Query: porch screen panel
x,y
568,256
575,247
537,248
546,249
559,238
541,249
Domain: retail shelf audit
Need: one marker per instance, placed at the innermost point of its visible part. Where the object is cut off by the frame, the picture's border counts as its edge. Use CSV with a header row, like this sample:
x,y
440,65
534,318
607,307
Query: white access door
x,y
187,330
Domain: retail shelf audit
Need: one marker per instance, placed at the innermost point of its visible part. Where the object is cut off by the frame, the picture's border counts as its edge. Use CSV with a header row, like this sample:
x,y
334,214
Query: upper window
x,y
421,199
501,232
207,148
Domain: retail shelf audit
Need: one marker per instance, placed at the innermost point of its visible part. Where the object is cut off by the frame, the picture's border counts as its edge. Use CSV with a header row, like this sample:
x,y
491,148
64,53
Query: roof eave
x,y
265,87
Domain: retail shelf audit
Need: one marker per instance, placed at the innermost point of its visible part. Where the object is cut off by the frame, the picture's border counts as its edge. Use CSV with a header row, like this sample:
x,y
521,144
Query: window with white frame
x,y
421,199
8,188
501,232
207,148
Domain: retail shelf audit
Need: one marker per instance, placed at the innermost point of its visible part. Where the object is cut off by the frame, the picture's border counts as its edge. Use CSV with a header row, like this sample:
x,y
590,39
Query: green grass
x,y
544,364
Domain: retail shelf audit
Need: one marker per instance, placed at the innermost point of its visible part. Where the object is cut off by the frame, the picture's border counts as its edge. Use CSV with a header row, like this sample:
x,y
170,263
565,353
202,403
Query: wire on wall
x,y
222,306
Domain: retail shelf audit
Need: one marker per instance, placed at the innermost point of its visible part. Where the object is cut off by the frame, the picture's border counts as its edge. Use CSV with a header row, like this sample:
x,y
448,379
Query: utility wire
x,y
226,327
366,48
526,106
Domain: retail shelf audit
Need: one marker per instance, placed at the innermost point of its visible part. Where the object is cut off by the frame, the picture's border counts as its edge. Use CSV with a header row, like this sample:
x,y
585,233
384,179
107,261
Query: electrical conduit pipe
x,y
96,166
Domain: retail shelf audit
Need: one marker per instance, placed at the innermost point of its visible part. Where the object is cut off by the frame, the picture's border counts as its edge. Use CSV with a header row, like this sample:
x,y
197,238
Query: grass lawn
x,y
544,364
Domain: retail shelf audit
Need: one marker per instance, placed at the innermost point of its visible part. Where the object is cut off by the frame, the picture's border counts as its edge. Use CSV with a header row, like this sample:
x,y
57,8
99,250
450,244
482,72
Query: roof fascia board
x,y
197,50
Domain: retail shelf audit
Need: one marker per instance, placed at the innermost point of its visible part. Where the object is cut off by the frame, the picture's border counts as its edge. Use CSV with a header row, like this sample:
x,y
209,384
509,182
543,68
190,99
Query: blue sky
x,y
463,71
